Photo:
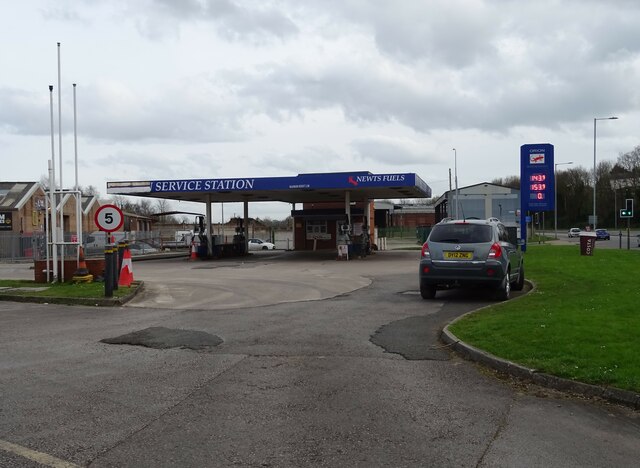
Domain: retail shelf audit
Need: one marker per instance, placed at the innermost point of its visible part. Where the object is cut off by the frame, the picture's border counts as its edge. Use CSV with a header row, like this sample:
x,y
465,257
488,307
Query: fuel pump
x,y
366,240
239,241
200,230
344,240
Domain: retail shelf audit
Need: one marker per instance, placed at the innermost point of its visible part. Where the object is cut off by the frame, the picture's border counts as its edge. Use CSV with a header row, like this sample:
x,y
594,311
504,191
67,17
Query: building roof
x,y
465,190
13,195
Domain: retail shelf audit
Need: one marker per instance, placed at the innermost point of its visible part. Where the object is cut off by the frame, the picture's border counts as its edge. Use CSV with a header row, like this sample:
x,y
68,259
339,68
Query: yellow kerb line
x,y
39,457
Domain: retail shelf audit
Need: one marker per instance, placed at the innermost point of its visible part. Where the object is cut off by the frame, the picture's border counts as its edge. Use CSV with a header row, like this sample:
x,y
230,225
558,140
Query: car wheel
x,y
427,291
265,248
519,284
504,290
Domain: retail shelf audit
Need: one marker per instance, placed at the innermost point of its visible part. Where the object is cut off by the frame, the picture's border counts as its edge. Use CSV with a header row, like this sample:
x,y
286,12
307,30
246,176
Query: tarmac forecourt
x,y
574,331
526,337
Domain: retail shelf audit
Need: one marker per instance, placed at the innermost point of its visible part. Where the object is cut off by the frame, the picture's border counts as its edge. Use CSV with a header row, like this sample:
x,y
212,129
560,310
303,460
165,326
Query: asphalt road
x,y
348,373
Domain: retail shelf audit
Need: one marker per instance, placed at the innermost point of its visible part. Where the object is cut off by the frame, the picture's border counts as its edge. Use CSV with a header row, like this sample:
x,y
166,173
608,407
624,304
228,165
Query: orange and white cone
x,y
126,272
193,251
82,273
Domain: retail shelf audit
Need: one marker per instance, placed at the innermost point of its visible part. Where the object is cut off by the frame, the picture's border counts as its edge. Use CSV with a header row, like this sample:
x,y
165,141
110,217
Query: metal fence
x,y
21,247
16,248
404,232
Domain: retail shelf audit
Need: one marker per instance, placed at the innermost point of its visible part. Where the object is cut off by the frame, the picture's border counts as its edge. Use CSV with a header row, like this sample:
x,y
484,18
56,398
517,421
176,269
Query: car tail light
x,y
425,251
495,251
491,272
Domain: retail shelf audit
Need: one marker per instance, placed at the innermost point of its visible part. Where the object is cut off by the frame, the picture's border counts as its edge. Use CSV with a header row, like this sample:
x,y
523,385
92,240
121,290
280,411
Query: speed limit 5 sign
x,y
109,218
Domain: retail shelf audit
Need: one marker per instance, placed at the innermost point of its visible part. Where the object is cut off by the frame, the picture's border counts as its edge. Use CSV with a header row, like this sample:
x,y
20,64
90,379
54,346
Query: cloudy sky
x,y
250,88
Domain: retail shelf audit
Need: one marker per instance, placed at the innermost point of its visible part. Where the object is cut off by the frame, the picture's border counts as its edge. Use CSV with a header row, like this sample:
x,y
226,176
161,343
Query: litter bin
x,y
201,252
587,243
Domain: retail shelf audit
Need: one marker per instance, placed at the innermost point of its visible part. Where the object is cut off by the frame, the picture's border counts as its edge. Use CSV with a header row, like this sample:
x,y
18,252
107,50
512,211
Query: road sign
x,y
109,218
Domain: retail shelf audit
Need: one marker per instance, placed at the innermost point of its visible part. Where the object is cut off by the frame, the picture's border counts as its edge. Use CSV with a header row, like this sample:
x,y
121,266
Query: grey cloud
x,y
439,32
234,20
158,164
494,95
391,151
25,112
196,112
320,158
161,121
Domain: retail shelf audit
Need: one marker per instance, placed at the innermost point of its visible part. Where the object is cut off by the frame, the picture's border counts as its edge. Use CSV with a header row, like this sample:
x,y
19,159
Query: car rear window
x,y
461,233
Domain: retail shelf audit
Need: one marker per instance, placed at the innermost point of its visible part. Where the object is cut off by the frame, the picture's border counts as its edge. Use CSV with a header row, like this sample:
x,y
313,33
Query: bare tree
x,y
90,190
630,162
162,206
509,181
44,181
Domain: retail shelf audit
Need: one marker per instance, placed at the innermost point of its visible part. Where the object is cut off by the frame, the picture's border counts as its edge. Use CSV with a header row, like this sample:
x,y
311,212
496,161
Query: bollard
x,y
108,273
620,235
114,266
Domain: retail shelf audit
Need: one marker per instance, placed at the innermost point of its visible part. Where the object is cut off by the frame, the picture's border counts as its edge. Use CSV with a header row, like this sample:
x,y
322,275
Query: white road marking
x,y
39,457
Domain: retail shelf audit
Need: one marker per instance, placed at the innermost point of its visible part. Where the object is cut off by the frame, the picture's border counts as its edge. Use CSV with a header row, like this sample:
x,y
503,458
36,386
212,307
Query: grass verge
x,y
60,290
581,323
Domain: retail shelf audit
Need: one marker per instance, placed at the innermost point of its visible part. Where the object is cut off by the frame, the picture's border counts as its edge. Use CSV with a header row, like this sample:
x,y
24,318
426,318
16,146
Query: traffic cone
x,y
82,274
193,251
126,272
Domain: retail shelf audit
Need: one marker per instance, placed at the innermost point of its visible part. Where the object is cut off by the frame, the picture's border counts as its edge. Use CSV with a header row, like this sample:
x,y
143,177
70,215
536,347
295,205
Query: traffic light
x,y
628,211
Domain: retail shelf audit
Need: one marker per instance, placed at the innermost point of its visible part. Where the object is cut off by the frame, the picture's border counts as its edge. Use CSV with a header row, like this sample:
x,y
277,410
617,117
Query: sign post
x,y
537,183
109,218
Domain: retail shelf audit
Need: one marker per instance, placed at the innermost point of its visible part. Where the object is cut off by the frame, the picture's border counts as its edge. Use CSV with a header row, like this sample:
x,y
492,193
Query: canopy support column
x,y
208,226
246,226
367,213
347,205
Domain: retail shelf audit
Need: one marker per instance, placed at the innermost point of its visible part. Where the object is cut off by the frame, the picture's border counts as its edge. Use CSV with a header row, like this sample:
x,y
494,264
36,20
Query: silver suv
x,y
471,252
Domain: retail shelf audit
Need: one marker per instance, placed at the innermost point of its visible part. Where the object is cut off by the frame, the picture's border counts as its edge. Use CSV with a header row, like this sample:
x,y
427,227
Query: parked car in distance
x,y
574,232
259,244
602,234
141,248
471,253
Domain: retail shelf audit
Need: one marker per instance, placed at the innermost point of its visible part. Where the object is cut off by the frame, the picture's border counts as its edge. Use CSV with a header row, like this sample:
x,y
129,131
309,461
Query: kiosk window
x,y
316,227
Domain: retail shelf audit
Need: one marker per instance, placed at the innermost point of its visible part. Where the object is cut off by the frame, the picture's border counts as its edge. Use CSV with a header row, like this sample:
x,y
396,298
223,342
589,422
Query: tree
x,y
162,206
604,194
90,190
509,181
574,192
44,181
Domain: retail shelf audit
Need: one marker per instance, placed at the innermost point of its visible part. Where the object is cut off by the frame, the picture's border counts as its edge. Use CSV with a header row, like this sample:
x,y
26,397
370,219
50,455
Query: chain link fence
x,y
21,247
15,248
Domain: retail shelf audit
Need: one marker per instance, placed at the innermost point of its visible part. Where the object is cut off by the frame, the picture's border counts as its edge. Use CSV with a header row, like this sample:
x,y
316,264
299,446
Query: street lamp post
x,y
455,176
555,191
594,165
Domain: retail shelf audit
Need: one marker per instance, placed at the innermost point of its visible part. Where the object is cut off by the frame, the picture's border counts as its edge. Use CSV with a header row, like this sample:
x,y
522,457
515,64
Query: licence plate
x,y
458,255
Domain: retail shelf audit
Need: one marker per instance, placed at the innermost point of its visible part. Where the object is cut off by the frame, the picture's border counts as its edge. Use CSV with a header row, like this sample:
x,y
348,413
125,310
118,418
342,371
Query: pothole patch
x,y
414,338
165,338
